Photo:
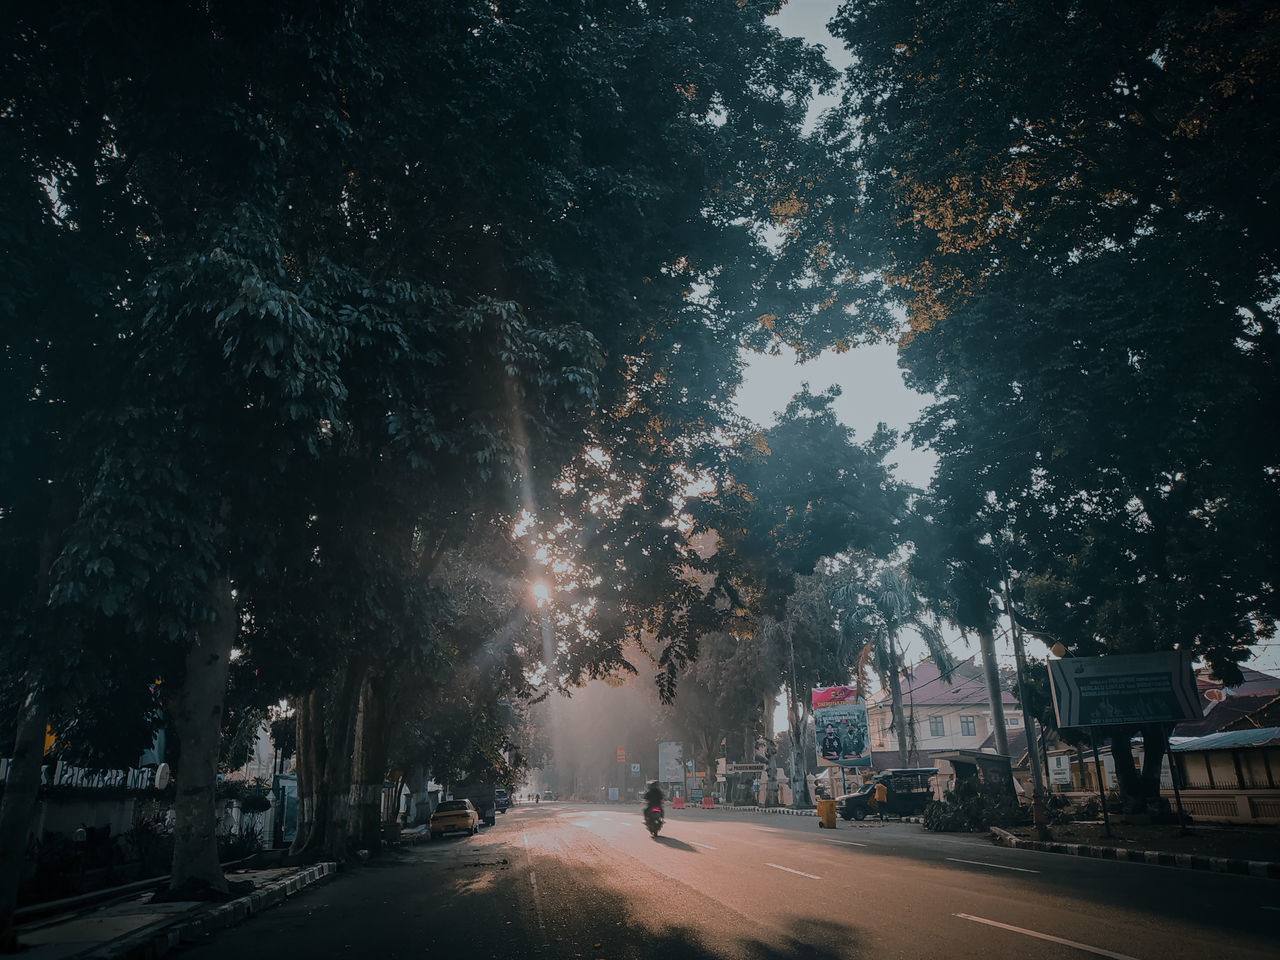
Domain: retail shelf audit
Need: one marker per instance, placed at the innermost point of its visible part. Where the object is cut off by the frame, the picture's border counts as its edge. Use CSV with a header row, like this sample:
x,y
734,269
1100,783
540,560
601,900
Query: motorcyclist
x,y
653,796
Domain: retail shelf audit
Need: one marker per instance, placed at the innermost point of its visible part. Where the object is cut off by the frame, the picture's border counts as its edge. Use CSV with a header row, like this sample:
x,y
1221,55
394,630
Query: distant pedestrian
x,y
882,797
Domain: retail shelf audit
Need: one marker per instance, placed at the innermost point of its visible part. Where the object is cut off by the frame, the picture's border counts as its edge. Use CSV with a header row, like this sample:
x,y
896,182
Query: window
x,y
936,727
967,727
1013,721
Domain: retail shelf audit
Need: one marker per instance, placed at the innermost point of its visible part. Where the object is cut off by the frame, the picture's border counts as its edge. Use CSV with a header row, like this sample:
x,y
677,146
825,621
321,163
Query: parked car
x,y
483,796
453,816
500,800
909,793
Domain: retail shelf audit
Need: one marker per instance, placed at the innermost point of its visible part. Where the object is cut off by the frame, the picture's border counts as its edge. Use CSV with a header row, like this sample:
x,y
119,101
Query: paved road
x,y
569,881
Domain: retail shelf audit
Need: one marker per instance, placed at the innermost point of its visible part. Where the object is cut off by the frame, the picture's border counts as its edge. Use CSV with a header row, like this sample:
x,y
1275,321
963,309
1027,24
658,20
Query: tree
x,y
878,602
1088,299
311,283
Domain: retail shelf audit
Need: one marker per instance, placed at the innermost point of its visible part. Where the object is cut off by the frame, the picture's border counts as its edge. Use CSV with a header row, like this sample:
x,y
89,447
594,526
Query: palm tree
x,y
878,606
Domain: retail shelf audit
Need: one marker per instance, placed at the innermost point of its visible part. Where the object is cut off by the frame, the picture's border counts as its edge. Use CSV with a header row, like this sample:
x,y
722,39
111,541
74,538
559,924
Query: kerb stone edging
x,y
1186,861
158,939
740,807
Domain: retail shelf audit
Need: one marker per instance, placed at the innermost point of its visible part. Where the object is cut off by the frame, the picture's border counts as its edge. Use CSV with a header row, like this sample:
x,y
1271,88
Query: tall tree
x,y
879,602
1088,298
309,274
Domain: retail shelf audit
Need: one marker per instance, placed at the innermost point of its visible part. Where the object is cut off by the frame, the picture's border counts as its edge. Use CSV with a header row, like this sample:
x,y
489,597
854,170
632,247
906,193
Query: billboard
x,y
670,762
840,726
1124,689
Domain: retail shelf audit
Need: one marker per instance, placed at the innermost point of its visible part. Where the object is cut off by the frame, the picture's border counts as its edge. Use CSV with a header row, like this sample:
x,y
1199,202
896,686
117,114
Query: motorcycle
x,y
653,819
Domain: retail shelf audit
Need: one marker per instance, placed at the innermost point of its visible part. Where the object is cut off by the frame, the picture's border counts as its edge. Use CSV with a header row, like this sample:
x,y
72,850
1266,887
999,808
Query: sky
x,y
872,388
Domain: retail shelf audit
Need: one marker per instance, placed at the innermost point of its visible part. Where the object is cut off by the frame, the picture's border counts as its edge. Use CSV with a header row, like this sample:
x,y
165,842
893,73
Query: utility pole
x,y
1029,724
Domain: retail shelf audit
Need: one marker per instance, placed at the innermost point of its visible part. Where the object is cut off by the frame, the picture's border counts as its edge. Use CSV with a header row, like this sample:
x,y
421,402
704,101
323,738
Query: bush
x,y
966,809
1091,809
1058,808
944,816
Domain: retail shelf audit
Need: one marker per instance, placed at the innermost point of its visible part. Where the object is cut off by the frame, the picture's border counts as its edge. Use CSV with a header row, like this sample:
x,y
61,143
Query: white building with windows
x,y
941,715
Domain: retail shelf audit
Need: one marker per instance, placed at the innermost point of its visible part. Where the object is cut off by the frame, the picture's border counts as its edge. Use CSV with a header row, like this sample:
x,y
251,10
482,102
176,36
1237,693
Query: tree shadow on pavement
x,y
561,905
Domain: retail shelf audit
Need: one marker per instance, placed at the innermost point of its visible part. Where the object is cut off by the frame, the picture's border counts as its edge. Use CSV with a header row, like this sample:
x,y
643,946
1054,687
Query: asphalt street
x,y
569,881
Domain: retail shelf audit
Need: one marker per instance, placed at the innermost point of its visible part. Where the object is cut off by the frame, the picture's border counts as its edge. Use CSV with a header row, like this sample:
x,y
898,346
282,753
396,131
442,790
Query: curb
x,y
795,813
786,810
158,939
1268,869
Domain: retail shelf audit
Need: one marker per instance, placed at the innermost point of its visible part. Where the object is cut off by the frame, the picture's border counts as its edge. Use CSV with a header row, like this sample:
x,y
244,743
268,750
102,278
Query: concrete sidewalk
x,y
137,929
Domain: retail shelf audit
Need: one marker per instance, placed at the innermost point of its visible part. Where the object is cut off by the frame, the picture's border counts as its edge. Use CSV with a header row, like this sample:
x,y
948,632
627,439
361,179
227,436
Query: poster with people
x,y
840,727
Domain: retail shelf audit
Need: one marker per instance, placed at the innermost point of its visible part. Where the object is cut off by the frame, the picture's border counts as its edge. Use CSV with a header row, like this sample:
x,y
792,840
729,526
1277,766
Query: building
x,y
1253,703
942,715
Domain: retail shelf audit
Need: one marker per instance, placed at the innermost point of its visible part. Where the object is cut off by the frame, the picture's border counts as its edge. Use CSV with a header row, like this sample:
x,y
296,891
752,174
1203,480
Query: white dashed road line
x,y
707,845
1044,936
998,866
798,873
847,843
537,900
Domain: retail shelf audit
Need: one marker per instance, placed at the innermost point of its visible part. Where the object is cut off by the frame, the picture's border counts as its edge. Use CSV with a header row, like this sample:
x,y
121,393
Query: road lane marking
x,y
1045,936
847,843
707,845
777,866
998,866
537,900
537,906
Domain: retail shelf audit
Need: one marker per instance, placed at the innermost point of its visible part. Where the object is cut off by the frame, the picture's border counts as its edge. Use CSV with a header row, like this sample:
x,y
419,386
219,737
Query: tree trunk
x,y
770,756
421,800
1132,790
22,789
16,809
330,731
1155,744
340,743
795,733
987,643
895,699
370,763
197,708
309,765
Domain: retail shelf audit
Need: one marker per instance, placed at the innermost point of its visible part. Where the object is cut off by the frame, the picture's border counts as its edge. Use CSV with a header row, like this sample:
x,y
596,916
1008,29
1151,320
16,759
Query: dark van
x,y
909,791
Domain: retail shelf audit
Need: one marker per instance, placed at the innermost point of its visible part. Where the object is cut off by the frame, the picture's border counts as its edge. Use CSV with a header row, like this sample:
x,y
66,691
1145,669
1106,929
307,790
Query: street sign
x,y
744,768
1060,768
622,755
635,769
670,761
1124,689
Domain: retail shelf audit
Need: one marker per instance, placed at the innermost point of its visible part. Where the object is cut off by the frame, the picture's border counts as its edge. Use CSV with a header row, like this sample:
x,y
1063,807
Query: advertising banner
x,y
1124,689
671,762
840,722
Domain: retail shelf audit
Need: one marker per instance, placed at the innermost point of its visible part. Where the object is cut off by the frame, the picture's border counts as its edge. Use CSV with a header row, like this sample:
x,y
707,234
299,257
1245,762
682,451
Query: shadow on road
x,y
675,844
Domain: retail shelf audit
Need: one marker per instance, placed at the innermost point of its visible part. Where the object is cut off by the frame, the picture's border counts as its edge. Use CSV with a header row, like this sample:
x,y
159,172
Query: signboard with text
x,y
840,723
671,767
1124,689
